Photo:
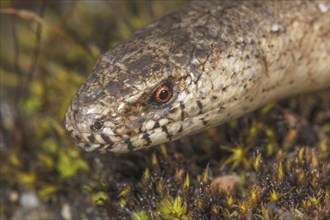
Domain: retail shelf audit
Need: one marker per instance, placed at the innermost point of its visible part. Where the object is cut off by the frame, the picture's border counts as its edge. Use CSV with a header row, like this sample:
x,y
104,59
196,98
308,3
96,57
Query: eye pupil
x,y
163,94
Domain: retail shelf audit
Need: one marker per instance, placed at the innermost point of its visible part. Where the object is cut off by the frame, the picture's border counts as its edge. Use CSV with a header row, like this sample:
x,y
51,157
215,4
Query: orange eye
x,y
162,94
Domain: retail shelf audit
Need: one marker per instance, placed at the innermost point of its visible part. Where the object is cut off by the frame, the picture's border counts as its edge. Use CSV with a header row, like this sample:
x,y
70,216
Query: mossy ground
x,y
280,152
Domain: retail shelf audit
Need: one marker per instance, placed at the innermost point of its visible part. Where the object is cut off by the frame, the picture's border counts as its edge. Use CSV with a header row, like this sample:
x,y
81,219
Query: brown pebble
x,y
224,183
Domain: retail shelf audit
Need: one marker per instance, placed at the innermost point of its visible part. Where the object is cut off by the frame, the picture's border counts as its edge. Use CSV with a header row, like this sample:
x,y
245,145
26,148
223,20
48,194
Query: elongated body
x,y
200,66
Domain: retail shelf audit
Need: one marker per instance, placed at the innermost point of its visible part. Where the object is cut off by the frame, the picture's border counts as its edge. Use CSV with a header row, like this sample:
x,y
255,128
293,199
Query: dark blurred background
x,y
48,48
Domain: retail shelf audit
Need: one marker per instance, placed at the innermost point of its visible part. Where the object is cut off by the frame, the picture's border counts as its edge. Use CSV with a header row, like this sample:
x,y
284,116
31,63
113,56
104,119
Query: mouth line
x,y
95,142
89,147
114,147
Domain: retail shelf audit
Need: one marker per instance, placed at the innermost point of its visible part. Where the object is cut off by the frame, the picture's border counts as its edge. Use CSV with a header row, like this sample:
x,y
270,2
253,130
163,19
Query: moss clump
x,y
289,181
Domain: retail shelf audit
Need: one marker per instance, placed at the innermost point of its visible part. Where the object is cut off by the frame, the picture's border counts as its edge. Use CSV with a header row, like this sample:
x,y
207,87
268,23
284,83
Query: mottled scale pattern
x,y
223,58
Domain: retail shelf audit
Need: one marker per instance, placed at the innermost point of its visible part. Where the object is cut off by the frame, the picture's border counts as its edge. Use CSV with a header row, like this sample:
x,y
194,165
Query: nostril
x,y
97,125
77,137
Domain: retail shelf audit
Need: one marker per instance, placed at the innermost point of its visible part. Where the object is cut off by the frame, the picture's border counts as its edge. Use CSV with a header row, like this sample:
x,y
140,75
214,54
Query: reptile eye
x,y
97,125
162,94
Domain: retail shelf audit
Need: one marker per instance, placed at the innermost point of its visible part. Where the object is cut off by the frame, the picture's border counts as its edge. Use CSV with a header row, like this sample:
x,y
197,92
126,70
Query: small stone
x,y
66,212
29,200
323,7
14,196
224,183
276,27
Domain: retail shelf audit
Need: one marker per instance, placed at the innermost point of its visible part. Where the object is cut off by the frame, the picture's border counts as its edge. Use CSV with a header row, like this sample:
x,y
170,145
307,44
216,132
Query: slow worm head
x,y
200,66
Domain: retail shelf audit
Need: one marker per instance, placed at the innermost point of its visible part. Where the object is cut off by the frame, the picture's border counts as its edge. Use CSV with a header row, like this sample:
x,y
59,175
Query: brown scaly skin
x,y
222,59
